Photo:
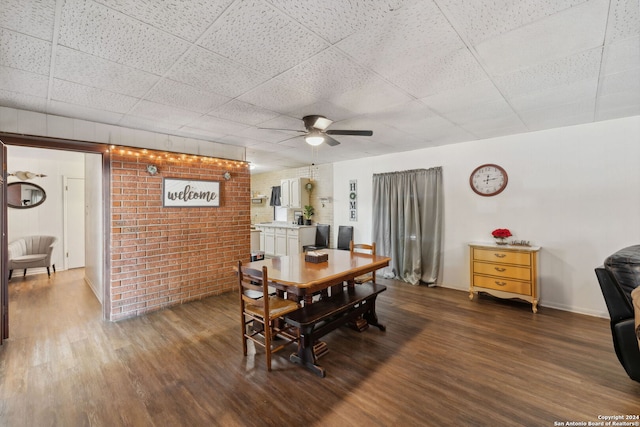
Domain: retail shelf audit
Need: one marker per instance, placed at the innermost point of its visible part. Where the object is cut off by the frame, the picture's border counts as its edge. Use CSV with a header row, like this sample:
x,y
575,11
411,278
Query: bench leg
x,y
54,267
48,272
10,273
24,273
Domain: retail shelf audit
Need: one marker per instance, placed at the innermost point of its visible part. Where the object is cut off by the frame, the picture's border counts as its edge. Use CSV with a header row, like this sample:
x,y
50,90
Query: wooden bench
x,y
318,319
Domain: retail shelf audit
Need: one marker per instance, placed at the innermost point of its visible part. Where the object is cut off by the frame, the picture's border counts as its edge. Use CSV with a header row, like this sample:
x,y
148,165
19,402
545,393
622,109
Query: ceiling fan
x,y
316,131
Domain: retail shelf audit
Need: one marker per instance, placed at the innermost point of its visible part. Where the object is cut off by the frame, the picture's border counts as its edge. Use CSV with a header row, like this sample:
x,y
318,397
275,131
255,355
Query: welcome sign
x,y
189,193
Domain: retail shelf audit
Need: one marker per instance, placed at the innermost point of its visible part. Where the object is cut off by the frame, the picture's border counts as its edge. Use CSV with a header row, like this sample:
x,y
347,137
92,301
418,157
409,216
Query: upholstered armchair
x,y
620,279
31,252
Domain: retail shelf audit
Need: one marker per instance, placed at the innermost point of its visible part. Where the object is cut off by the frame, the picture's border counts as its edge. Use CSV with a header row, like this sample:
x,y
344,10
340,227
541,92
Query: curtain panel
x,y
407,223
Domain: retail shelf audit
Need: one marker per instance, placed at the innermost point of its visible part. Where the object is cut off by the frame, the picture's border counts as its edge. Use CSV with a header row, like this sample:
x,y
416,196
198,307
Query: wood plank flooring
x,y
443,360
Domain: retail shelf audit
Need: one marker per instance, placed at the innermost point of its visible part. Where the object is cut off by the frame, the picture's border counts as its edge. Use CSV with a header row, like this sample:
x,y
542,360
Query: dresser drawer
x,y
505,285
501,270
503,257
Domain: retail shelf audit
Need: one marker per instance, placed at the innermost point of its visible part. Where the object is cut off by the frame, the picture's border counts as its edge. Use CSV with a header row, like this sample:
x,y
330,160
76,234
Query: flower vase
x,y
501,241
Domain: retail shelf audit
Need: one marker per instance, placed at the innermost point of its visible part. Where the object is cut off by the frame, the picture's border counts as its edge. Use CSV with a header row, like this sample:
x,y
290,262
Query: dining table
x,y
319,282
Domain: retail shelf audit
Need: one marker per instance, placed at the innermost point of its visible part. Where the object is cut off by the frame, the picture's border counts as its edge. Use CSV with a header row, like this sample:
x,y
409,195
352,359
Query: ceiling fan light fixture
x,y
314,138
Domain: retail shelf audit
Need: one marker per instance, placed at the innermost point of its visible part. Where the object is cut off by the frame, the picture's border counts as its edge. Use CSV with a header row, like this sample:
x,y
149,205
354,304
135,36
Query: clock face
x,y
488,180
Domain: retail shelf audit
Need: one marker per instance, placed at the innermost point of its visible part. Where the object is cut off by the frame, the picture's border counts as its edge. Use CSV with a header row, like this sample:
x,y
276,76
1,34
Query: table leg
x,y
371,317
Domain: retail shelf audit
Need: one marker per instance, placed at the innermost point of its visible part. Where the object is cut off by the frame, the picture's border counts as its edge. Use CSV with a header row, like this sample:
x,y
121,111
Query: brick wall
x,y
166,256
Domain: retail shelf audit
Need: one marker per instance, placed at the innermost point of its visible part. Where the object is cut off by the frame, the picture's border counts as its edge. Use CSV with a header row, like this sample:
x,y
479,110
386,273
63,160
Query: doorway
x,y
97,177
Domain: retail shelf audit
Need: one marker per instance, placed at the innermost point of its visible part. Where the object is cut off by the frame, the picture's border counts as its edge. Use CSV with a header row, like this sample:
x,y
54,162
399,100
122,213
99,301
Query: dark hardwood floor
x,y
443,360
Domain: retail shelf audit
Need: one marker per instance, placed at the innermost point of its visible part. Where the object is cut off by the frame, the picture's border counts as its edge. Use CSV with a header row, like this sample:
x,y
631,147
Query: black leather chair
x,y
619,276
322,238
345,236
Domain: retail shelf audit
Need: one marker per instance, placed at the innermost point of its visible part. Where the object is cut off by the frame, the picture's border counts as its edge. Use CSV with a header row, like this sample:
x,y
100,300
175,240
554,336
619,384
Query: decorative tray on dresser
x,y
505,271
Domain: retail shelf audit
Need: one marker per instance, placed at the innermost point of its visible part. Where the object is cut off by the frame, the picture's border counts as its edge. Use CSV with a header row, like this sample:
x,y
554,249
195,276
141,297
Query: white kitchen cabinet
x,y
293,193
281,240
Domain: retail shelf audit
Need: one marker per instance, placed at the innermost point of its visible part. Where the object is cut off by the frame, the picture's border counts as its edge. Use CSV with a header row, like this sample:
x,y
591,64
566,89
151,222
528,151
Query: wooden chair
x,y
264,310
364,248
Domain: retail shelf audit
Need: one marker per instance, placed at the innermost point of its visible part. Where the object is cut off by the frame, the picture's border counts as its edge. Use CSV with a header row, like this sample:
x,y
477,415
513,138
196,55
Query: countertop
x,y
281,225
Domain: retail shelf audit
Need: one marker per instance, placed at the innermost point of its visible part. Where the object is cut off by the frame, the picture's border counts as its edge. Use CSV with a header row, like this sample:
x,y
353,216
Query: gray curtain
x,y
407,223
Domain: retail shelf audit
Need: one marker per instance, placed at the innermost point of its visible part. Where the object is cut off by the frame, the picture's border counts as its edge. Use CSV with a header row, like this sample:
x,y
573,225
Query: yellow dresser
x,y
505,271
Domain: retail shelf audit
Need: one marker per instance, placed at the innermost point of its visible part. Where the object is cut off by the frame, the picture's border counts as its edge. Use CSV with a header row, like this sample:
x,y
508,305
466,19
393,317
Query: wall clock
x,y
488,180
152,169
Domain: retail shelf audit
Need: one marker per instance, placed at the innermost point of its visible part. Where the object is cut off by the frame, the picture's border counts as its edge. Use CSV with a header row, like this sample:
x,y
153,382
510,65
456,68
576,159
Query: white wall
x,y
575,191
47,218
94,240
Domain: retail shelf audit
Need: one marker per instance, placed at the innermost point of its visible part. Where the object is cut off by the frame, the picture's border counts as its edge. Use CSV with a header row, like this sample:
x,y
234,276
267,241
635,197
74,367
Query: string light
x,y
175,157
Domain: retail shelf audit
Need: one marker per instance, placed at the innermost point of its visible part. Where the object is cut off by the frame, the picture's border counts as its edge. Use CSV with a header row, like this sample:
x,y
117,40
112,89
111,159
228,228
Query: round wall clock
x,y
152,169
488,180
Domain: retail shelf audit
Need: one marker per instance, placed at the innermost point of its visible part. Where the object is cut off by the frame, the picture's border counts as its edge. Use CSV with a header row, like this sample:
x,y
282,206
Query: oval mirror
x,y
24,195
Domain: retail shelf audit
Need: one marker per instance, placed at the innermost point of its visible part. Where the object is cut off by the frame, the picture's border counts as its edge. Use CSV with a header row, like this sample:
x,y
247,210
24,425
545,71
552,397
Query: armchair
x,y
31,252
618,278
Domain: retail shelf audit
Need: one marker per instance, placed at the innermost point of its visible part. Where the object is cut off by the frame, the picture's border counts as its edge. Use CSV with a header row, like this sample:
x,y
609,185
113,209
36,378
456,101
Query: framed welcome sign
x,y
189,193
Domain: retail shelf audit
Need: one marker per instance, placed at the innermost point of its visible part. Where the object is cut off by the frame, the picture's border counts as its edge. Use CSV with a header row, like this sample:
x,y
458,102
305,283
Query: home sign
x,y
190,193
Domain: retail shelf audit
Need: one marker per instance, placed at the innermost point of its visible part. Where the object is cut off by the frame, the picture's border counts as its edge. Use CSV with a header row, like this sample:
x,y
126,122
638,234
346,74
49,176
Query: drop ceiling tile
x,y
273,45
24,52
284,122
192,132
185,19
488,111
574,30
22,101
207,70
435,74
106,33
176,94
480,92
338,19
164,113
89,70
217,125
621,56
375,96
240,141
495,127
562,115
14,80
328,73
35,18
83,112
556,95
626,81
585,65
624,20
276,96
264,135
399,43
243,112
74,93
323,108
617,105
479,20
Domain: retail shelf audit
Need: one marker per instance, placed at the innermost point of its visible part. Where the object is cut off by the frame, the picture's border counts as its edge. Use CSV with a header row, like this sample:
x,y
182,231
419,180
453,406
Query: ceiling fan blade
x,y
287,130
330,141
349,132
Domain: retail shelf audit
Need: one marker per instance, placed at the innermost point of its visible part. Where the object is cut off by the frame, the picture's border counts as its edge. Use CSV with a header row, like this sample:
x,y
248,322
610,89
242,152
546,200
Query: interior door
x,y
4,274
74,207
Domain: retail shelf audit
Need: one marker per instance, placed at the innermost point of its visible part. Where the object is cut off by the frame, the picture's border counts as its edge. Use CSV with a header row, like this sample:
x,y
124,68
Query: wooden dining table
x,y
317,283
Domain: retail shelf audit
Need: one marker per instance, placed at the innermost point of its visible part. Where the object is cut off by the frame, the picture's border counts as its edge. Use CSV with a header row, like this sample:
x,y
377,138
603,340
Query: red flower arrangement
x,y
501,233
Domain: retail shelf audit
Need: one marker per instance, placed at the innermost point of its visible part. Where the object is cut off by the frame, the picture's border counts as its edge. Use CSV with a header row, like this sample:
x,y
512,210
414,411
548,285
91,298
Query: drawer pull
x,y
500,255
500,269
501,283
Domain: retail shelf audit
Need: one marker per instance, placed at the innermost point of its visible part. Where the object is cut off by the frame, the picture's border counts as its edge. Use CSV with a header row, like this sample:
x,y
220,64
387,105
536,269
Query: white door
x,y
74,222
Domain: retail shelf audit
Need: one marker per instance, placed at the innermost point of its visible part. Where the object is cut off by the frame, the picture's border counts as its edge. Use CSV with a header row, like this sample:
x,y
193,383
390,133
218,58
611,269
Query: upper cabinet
x,y
293,193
